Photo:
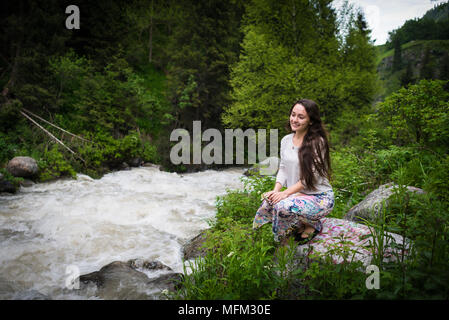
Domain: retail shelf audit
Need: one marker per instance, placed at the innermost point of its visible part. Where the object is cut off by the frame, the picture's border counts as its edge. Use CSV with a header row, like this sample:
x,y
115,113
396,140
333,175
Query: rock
x,y
116,271
194,248
151,165
24,167
339,233
267,167
121,280
148,265
124,166
169,281
135,162
26,183
370,207
30,295
7,186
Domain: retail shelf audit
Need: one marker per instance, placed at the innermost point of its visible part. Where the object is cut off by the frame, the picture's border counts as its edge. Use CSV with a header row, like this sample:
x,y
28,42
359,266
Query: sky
x,y
386,15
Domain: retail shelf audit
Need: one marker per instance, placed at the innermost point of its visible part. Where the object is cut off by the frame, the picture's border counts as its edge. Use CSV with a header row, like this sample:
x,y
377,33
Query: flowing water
x,y
49,228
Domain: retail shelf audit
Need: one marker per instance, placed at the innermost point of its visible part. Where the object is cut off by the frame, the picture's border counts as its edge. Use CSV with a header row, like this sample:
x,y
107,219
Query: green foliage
x,y
115,99
438,177
53,165
237,266
418,114
112,152
421,266
241,206
7,148
275,69
9,114
111,106
325,280
9,177
203,44
348,180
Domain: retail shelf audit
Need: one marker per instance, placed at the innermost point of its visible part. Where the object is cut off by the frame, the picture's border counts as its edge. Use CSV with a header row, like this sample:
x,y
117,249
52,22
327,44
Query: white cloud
x,y
386,15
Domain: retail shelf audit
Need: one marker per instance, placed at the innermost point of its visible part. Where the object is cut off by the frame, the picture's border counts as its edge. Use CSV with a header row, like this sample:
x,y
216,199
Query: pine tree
x,y
444,71
426,69
204,42
397,58
358,50
407,76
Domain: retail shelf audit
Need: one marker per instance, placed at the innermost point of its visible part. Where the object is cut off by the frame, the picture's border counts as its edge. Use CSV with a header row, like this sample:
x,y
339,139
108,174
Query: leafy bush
x,y
53,165
112,152
438,177
237,266
347,181
418,114
241,206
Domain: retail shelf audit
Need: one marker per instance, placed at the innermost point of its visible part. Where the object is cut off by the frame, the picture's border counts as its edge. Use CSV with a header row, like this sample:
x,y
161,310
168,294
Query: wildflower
x,y
230,254
164,292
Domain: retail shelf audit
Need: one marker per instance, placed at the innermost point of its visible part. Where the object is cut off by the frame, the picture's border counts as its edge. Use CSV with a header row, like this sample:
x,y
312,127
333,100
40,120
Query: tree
x,y
204,43
444,71
426,71
397,58
407,76
418,114
280,62
150,29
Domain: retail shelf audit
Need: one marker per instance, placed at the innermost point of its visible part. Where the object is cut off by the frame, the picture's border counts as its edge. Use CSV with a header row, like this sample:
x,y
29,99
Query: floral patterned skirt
x,y
290,214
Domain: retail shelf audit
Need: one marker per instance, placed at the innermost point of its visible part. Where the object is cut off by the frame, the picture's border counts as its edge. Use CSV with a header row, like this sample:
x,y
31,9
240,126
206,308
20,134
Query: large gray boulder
x,y
127,280
345,241
372,205
25,167
194,248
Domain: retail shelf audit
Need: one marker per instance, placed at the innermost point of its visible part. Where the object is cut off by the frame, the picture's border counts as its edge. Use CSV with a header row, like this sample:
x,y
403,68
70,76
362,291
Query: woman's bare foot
x,y
307,231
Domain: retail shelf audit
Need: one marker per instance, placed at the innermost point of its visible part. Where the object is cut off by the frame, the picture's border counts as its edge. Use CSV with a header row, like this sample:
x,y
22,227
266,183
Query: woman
x,y
305,171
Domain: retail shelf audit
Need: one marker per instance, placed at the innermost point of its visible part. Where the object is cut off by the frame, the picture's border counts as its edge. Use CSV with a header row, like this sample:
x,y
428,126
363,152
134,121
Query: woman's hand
x,y
267,195
275,197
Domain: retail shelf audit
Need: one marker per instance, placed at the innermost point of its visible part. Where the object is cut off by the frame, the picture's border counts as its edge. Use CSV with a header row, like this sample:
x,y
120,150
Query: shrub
x,y
53,165
418,114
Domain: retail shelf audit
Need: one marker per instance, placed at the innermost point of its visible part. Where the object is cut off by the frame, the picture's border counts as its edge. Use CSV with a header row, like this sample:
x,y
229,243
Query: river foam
x,y
143,213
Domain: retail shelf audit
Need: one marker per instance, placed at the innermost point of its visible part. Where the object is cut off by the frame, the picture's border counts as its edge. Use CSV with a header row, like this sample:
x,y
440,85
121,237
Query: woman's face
x,y
299,119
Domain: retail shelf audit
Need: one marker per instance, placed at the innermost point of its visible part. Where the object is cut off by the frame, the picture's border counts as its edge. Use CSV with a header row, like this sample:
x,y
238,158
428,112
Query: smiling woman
x,y
305,171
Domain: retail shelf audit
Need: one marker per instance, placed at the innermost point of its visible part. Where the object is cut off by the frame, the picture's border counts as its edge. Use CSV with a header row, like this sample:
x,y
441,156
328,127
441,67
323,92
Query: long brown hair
x,y
314,151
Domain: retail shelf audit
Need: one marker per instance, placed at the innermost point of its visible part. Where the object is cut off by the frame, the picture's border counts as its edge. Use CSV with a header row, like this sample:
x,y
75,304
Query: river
x,y
50,228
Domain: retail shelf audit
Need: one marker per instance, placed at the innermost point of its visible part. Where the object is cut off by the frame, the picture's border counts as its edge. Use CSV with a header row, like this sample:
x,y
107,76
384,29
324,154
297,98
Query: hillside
x,y
424,58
